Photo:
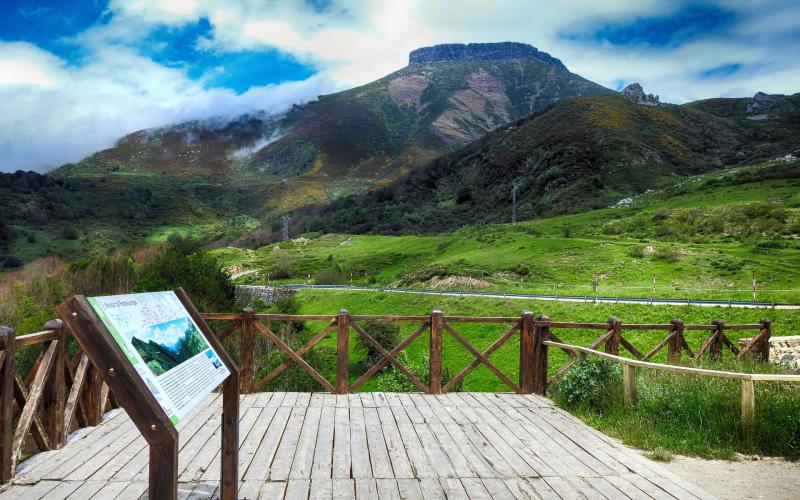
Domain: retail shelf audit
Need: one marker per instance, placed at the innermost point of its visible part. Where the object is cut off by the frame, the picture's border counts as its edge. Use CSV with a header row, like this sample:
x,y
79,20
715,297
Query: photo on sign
x,y
166,345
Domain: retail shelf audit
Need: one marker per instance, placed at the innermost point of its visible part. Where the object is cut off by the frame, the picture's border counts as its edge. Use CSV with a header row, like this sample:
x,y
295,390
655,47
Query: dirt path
x,y
766,478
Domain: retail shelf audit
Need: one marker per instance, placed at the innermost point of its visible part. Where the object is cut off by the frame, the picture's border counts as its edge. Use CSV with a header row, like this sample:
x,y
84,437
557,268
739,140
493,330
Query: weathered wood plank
x,y
341,444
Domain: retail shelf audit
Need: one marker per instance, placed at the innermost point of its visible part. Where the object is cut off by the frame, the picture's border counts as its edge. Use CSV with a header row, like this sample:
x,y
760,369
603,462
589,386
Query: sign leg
x,y
164,470
229,487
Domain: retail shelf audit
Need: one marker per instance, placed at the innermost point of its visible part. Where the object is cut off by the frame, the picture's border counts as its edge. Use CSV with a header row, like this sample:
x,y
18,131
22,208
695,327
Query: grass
x,y
689,415
661,236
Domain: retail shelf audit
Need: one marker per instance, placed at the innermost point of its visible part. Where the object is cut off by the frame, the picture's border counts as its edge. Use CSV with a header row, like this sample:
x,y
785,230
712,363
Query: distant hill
x,y
577,155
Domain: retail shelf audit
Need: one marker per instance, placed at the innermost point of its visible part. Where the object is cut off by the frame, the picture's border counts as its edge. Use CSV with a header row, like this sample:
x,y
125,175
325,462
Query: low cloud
x,y
62,114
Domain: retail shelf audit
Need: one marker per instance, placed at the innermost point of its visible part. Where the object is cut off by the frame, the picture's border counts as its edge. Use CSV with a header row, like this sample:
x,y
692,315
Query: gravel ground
x,y
746,478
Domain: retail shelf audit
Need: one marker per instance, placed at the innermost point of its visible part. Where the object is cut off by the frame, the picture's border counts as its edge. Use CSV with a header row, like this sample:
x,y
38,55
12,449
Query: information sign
x,y
165,346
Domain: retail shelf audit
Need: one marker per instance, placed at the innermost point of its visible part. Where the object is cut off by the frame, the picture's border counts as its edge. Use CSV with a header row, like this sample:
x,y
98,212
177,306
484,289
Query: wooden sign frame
x,y
140,404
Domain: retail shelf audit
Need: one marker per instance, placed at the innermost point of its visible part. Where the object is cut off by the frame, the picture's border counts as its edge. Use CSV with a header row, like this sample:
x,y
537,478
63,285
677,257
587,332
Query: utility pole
x,y
285,223
514,202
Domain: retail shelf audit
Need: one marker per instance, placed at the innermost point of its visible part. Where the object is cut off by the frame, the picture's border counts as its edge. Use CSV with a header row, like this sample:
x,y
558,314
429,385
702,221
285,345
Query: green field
x,y
706,238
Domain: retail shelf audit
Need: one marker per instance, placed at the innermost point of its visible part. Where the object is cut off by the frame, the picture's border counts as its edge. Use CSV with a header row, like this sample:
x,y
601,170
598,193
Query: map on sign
x,y
165,347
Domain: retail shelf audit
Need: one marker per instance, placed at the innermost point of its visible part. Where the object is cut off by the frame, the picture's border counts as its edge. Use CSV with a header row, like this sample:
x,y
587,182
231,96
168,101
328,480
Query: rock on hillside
x,y
505,51
635,93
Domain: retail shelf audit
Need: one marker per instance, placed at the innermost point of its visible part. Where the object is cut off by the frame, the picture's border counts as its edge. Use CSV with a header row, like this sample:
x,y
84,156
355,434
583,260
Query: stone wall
x,y
783,350
245,294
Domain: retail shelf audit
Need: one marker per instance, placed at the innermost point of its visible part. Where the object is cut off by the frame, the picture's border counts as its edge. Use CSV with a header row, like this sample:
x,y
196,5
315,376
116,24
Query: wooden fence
x,y
532,331
63,392
58,394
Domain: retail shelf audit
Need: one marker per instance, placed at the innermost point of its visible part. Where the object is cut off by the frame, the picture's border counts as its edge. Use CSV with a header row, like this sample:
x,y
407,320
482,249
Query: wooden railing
x,y
57,394
533,332
62,392
748,393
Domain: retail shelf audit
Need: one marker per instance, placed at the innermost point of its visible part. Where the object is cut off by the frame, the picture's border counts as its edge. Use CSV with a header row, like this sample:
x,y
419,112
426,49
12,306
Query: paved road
x,y
561,298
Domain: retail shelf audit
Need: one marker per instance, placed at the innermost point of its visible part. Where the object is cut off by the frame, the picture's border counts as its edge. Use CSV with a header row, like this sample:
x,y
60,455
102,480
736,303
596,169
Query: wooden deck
x,y
367,445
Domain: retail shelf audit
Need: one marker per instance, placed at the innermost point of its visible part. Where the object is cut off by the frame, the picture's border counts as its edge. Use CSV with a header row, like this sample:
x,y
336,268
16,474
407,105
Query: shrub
x,y
591,383
330,276
69,233
282,262
386,333
11,262
636,251
198,272
566,230
670,254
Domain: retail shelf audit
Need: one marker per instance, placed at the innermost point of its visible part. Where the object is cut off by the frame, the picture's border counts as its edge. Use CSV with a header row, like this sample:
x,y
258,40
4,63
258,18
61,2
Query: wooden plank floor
x,y
368,445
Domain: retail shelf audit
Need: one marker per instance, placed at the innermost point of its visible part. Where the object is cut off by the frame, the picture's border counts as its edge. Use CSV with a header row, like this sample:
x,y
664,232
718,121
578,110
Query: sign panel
x,y
165,346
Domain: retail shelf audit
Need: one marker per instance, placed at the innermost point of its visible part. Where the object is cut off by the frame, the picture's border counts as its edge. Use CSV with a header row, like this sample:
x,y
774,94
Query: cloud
x,y
62,114
129,75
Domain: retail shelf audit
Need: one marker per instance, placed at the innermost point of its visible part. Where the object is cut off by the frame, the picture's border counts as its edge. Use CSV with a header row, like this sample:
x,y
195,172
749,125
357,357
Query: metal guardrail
x,y
530,296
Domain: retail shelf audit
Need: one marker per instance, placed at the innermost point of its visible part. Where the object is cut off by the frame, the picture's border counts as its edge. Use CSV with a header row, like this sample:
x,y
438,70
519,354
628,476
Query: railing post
x,y
675,345
435,353
526,363
247,371
539,368
612,344
92,394
748,410
763,349
629,385
343,352
715,349
53,397
6,397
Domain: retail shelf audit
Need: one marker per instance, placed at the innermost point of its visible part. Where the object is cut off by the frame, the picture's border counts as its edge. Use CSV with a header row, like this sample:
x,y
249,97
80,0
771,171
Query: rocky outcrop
x,y
502,51
760,104
782,350
635,93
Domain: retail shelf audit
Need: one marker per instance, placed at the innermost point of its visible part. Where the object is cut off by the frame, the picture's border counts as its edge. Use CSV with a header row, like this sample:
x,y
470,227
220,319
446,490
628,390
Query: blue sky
x,y
77,75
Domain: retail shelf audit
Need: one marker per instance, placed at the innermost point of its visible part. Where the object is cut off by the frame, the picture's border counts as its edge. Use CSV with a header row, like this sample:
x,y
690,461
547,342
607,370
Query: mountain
x,y
224,176
448,96
161,358
576,155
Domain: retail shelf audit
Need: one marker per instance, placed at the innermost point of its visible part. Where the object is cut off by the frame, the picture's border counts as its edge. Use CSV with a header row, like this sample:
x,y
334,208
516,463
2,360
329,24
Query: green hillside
x,y
580,154
702,238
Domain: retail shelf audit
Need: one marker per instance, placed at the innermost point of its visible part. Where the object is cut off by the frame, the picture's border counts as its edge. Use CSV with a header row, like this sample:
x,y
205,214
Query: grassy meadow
x,y
706,238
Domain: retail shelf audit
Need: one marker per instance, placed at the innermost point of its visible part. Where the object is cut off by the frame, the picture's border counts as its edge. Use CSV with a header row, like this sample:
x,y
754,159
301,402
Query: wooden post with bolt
x,y
541,332
526,353
342,352
675,346
248,346
54,395
6,398
435,352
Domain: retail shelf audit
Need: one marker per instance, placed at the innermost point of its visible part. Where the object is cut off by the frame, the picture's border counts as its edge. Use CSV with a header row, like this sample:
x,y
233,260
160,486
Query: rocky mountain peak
x,y
502,51
760,104
635,93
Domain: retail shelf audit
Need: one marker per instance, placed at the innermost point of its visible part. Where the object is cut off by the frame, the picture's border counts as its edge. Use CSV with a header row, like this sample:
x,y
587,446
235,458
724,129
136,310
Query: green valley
x,y
704,237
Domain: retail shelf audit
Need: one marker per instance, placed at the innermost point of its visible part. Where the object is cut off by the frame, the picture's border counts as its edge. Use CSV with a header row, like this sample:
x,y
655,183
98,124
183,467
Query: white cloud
x,y
88,108
57,112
